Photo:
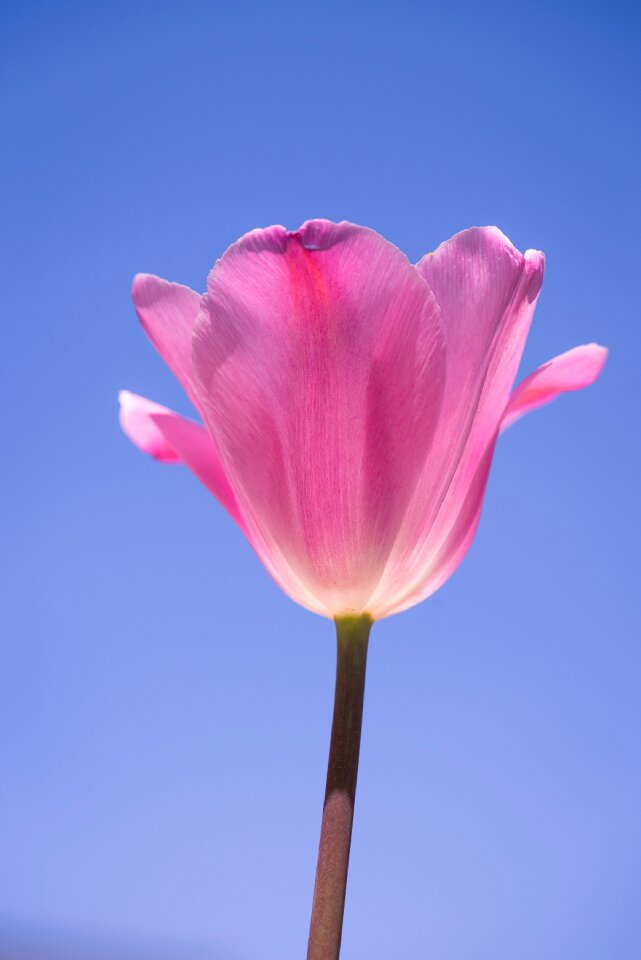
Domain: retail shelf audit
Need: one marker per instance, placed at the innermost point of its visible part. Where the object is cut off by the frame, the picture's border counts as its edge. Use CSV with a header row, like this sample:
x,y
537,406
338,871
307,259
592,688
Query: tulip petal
x,y
136,421
571,370
487,291
170,438
318,358
455,544
167,312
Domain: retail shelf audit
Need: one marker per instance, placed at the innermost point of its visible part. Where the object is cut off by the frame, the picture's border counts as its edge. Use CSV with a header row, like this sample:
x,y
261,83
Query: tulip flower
x,y
350,405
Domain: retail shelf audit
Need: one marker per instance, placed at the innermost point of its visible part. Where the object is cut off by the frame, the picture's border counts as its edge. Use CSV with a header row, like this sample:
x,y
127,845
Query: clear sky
x,y
164,709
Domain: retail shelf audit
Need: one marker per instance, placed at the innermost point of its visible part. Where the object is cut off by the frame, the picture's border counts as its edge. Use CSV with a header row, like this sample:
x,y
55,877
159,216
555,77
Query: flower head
x,y
350,401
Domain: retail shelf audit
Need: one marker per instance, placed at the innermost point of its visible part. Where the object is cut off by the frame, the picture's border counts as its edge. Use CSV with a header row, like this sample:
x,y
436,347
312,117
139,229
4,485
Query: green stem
x,y
352,634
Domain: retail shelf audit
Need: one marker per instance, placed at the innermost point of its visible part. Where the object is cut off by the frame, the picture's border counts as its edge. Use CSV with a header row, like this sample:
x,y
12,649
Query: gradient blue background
x,y
164,709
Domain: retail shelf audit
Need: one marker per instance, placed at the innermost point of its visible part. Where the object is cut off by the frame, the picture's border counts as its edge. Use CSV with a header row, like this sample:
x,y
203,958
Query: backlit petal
x,y
487,291
171,438
167,312
572,370
454,544
319,362
137,423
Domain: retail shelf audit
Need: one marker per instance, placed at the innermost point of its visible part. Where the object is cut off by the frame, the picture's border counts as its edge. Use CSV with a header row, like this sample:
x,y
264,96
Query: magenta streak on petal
x,y
319,365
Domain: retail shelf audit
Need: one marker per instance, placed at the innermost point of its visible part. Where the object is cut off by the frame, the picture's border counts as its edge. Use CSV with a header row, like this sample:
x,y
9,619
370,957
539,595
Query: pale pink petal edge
x,y
135,416
572,370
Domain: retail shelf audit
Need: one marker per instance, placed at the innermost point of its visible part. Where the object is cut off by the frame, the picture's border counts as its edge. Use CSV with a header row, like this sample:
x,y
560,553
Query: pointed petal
x,y
487,291
571,370
170,438
137,423
320,371
167,312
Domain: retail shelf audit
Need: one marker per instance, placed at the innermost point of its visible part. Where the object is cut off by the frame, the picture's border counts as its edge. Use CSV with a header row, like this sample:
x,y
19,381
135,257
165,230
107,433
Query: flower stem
x,y
352,635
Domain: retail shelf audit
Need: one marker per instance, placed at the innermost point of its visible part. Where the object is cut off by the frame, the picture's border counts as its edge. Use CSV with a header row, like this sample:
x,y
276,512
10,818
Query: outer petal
x,y
487,292
171,438
458,539
167,312
572,370
320,373
136,415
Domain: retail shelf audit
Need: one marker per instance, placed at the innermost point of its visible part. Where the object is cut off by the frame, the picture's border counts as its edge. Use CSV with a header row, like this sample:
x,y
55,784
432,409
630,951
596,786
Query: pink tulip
x,y
350,401
351,404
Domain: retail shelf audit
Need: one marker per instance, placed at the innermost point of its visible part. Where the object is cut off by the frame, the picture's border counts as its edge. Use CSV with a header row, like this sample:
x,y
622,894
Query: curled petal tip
x,y
323,234
599,352
138,279
143,287
572,370
136,420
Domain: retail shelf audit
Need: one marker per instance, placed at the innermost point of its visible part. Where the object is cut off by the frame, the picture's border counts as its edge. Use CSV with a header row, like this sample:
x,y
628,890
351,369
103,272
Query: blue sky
x,y
164,709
